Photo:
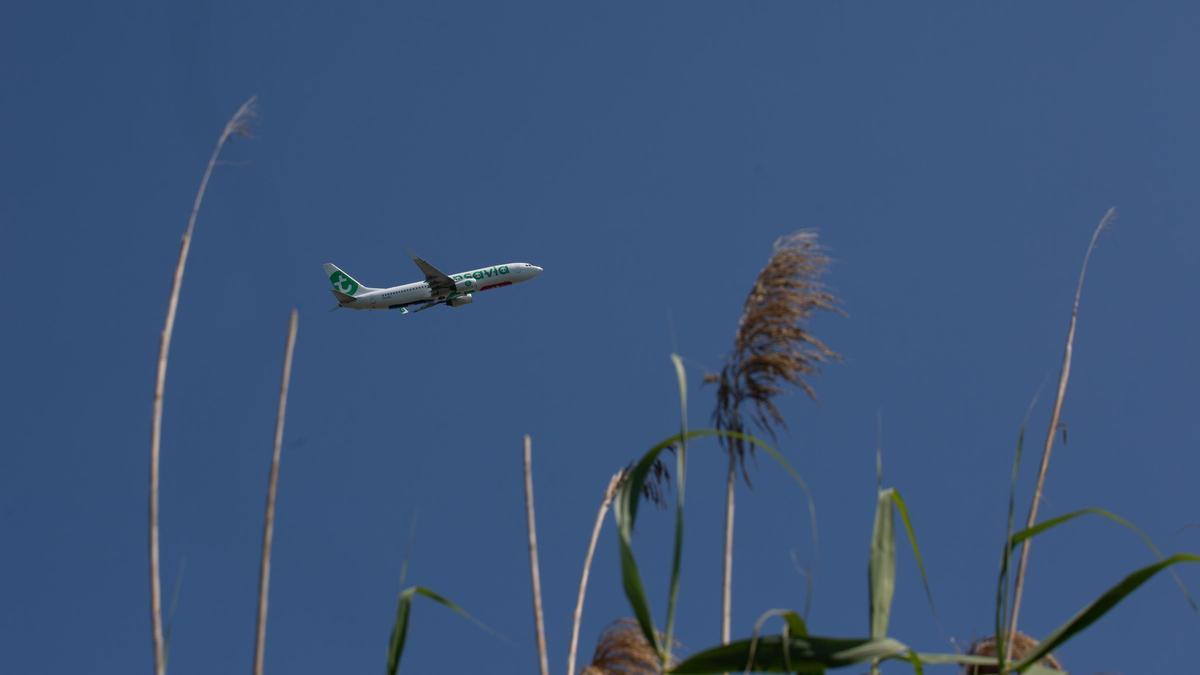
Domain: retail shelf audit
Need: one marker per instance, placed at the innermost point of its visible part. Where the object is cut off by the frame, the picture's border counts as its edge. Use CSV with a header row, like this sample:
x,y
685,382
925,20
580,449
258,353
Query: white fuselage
x,y
466,283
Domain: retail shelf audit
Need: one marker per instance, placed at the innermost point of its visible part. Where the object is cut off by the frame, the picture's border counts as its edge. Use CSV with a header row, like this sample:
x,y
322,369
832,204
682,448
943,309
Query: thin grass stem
x,y
539,621
264,571
1063,377
609,493
238,124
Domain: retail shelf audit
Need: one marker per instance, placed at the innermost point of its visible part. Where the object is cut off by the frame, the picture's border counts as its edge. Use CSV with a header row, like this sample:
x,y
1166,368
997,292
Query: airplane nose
x,y
537,270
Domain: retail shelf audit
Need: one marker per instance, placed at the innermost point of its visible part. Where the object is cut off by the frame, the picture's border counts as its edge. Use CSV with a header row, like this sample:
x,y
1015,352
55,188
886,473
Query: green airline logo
x,y
479,275
343,283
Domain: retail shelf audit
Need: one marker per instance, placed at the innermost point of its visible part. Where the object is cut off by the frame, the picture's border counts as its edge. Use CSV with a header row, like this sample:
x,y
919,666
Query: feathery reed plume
x,y
1063,377
609,493
539,622
1020,644
264,572
623,650
238,125
772,348
657,484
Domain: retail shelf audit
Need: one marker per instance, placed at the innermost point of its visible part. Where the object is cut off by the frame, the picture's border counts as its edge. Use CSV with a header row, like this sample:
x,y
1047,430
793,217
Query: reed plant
x,y
238,125
773,349
787,355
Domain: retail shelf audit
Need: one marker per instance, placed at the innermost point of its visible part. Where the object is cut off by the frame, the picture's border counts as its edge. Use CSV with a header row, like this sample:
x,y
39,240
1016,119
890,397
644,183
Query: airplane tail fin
x,y
345,287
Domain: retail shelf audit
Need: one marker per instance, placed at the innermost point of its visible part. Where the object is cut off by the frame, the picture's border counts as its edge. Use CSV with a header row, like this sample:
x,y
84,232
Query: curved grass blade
x,y
1002,581
881,568
625,513
965,660
680,483
1101,606
625,509
902,509
793,625
404,610
915,661
808,655
1054,522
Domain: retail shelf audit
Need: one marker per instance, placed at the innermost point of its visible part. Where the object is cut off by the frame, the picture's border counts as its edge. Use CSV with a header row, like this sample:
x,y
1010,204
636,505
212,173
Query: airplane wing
x,y
438,281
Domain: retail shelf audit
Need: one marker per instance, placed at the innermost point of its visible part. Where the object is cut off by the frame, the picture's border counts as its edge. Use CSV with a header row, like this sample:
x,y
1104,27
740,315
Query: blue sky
x,y
954,157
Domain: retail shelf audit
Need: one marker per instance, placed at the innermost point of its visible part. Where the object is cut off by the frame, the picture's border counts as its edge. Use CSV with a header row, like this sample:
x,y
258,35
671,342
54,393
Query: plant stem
x,y
727,567
543,661
264,572
1063,377
234,125
609,493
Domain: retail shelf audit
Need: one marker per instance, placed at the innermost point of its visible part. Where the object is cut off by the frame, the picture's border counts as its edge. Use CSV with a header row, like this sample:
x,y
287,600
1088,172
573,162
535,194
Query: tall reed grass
x,y
773,347
1064,377
773,350
238,125
264,572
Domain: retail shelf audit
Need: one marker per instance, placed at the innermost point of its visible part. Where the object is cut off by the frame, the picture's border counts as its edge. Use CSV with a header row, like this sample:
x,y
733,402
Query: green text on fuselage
x,y
482,274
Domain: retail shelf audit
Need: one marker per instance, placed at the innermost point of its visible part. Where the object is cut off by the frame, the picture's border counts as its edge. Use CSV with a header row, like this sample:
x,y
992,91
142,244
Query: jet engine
x,y
460,300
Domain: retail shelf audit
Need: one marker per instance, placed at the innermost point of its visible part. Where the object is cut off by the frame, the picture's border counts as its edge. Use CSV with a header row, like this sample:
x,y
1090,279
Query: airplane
x,y
453,290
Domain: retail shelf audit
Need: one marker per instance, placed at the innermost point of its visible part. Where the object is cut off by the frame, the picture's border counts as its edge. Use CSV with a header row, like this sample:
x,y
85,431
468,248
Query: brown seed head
x,y
623,650
1023,645
773,347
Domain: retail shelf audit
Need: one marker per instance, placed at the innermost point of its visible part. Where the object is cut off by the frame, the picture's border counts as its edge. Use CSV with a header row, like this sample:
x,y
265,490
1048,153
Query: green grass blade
x,y
404,611
625,513
1002,581
1101,606
915,661
968,660
625,508
1054,522
881,567
902,509
808,655
399,631
680,484
681,380
793,626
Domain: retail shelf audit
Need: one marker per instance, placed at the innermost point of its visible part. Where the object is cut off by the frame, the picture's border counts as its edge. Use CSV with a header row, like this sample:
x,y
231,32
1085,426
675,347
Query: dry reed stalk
x,y
727,557
264,571
539,622
623,650
237,125
609,493
1063,376
772,348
